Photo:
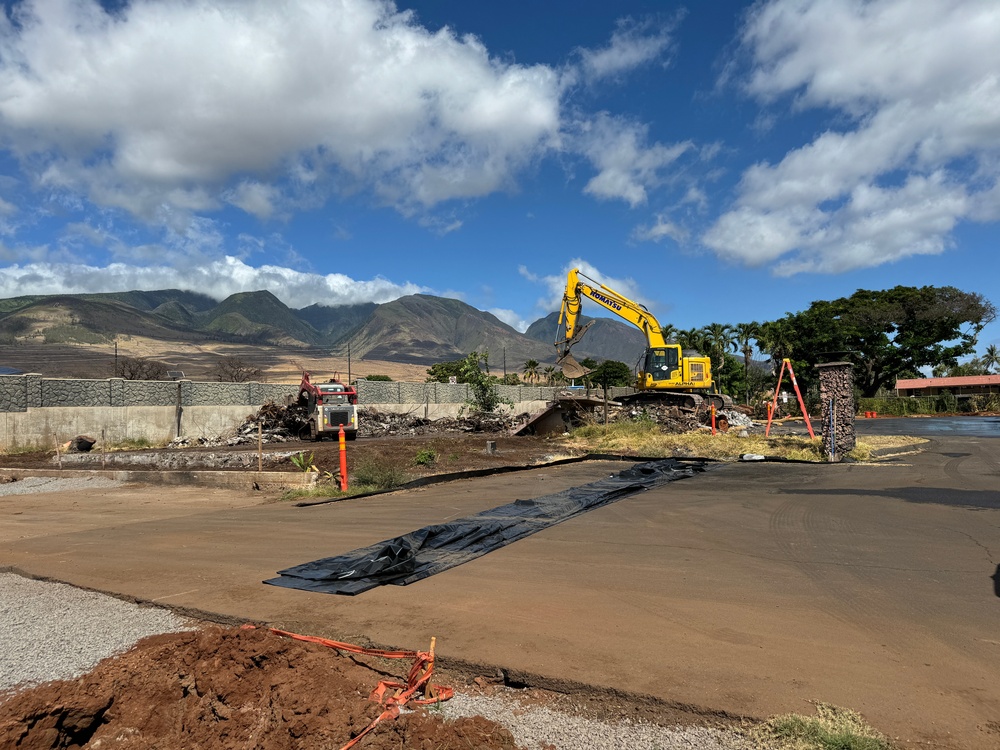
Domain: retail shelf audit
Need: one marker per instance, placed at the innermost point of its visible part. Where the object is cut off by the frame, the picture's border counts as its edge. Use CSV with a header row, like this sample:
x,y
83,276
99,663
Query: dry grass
x,y
645,439
832,728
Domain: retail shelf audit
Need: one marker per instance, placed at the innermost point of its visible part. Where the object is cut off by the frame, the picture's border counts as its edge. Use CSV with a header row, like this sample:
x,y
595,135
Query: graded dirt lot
x,y
750,589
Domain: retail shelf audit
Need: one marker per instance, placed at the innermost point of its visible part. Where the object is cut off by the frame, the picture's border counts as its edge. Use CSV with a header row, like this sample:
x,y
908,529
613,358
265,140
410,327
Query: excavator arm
x,y
623,307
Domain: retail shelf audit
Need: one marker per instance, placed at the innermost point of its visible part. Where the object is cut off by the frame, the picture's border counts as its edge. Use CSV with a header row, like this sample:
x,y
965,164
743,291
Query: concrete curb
x,y
262,480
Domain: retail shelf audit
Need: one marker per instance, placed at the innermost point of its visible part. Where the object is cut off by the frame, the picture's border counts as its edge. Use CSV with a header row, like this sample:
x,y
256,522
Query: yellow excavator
x,y
667,376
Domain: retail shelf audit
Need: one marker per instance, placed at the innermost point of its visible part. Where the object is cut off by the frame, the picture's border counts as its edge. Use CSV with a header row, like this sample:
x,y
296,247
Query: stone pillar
x,y
836,390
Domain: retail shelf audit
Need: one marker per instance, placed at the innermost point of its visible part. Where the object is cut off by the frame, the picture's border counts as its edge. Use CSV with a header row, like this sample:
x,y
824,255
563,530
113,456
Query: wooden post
x,y
260,447
104,455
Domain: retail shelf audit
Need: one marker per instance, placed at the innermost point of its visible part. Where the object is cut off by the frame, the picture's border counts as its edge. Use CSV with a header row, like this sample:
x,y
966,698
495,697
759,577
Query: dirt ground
x,y
750,590
413,456
227,688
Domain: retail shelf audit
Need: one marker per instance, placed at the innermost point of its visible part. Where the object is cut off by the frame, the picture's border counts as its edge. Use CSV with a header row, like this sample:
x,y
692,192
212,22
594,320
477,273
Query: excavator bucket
x,y
570,367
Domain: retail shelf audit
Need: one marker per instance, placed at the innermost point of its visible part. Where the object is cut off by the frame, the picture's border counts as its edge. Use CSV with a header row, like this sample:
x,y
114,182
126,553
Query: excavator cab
x,y
662,362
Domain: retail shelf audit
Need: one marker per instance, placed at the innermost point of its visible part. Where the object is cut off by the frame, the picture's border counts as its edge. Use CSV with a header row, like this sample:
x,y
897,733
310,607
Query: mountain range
x,y
418,329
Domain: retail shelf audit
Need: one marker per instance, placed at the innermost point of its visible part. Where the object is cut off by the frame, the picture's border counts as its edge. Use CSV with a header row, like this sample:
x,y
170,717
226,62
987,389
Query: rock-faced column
x,y
836,397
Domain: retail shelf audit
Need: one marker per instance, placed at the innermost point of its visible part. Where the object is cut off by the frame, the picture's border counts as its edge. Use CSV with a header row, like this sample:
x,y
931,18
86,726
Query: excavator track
x,y
689,401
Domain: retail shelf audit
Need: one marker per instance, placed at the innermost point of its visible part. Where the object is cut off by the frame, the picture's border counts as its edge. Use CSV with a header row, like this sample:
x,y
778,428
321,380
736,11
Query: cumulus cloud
x,y
187,104
661,228
916,85
510,317
218,279
628,166
632,45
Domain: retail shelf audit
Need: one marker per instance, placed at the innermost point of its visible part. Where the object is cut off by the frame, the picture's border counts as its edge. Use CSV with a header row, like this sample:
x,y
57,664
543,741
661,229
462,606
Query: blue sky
x,y
720,162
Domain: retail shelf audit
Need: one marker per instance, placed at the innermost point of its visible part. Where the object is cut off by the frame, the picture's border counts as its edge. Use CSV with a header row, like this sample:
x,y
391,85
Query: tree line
x,y
886,334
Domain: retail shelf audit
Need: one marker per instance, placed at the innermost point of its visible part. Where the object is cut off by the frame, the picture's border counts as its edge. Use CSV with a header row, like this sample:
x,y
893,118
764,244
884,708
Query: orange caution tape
x,y
417,681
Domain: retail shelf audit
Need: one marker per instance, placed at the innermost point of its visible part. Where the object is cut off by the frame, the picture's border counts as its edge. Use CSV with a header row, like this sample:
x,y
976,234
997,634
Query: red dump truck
x,y
328,406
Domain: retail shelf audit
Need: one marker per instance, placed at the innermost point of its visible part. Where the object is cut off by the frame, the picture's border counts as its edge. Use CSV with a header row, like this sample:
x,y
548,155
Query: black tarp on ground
x,y
432,549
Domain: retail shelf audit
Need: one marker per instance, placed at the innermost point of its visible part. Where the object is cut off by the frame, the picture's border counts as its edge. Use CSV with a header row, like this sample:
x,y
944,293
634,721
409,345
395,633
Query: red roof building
x,y
970,385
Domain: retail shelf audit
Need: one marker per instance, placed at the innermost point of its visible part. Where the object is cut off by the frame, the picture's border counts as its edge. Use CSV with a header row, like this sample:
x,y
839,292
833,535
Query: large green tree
x,y
885,333
612,373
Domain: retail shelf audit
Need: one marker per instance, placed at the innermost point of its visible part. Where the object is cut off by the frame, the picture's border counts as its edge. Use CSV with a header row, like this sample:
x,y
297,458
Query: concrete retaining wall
x,y
44,428
37,412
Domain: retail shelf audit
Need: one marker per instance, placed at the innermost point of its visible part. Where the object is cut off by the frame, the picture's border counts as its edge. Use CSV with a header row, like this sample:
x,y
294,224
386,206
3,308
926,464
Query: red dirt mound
x,y
226,688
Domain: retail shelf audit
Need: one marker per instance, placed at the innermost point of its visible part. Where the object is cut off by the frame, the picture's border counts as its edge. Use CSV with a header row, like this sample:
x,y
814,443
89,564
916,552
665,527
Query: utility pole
x,y
115,373
348,362
505,364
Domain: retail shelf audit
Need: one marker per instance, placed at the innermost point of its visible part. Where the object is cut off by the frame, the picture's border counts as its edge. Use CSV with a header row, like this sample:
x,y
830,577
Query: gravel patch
x,y
537,727
34,485
51,631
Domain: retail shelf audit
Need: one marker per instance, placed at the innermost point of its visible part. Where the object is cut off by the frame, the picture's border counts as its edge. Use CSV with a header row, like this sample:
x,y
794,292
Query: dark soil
x,y
414,456
227,688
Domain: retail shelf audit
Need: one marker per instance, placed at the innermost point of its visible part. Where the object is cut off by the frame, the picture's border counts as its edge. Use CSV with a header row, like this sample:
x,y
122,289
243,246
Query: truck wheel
x,y
313,432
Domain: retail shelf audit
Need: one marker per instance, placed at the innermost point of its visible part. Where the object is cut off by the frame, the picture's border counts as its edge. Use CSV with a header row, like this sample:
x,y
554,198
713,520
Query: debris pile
x,y
375,423
670,419
281,424
276,424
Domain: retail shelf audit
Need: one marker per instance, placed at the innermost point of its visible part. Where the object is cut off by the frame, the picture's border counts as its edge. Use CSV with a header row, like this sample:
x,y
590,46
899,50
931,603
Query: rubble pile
x,y
278,424
281,424
672,419
375,423
669,418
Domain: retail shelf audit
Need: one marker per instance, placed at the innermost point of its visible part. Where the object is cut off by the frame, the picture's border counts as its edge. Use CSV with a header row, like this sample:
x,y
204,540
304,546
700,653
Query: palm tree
x,y
669,332
777,339
550,373
692,338
530,370
745,333
719,338
992,357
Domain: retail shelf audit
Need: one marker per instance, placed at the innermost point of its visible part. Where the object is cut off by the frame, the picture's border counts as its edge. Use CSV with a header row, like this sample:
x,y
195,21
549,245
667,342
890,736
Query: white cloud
x,y
180,105
632,45
918,89
254,197
661,228
510,317
218,279
627,166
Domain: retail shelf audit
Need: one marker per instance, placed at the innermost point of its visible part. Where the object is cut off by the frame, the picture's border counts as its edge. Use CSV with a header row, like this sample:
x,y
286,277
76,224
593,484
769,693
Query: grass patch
x,y
132,444
378,474
832,728
643,438
425,457
21,450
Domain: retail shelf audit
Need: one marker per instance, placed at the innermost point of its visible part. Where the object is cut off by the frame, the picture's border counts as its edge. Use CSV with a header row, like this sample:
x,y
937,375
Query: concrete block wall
x,y
380,392
39,412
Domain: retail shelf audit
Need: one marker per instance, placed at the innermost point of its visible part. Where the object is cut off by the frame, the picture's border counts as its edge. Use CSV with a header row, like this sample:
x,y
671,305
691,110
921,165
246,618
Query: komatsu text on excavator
x,y
667,376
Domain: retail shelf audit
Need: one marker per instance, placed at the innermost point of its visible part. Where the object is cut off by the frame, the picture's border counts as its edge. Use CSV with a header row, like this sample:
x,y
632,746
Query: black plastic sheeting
x,y
432,549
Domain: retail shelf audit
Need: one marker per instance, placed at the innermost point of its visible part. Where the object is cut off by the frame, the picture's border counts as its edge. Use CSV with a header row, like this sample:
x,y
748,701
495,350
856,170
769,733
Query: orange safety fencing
x,y
402,694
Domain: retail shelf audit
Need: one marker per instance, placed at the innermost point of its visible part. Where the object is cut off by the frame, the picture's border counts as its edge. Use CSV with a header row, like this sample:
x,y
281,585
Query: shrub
x,y
378,474
425,457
